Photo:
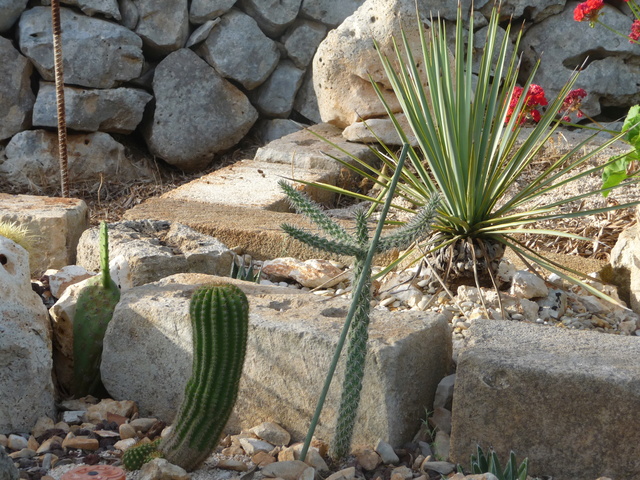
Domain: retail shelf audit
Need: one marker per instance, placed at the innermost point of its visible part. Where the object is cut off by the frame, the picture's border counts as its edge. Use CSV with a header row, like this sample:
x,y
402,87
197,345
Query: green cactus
x,y
361,247
481,464
136,456
220,320
242,268
94,309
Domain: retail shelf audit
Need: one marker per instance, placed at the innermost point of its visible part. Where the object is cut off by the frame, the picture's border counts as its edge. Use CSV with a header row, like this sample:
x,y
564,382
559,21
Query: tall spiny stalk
x,y
59,80
357,322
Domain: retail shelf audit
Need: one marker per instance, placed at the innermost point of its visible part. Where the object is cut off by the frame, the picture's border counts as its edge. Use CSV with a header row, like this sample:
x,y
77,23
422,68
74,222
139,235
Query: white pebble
x,y
387,301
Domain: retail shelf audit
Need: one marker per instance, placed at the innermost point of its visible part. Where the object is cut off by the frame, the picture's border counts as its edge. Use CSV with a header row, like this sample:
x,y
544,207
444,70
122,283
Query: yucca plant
x,y
468,153
480,464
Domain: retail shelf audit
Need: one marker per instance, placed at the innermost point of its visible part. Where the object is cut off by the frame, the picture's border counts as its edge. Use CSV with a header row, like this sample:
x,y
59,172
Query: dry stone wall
x,y
194,77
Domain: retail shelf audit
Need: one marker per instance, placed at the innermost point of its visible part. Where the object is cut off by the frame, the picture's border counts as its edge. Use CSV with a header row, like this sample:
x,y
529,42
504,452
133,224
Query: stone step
x,y
292,339
55,226
567,400
252,184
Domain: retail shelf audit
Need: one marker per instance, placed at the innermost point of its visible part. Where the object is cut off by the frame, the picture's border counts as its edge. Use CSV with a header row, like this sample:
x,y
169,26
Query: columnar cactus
x,y
94,310
220,320
358,246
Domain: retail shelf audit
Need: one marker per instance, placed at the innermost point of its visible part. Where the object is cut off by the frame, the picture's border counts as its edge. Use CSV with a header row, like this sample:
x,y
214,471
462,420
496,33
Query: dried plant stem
x,y
59,80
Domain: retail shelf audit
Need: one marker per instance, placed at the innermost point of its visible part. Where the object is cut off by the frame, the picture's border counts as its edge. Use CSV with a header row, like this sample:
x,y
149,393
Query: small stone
x,y
42,425
444,392
123,445
368,459
3,440
386,452
308,473
262,459
528,285
286,455
443,468
82,442
425,449
50,444
272,433
252,446
48,461
344,474
441,445
321,446
289,470
231,464
32,443
441,419
401,473
16,442
23,453
313,458
127,431
64,426
233,450
73,417
98,413
143,424
160,469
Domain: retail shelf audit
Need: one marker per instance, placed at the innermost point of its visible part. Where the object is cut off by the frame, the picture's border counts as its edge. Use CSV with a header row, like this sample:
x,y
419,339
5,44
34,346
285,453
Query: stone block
x,y
291,342
567,400
55,223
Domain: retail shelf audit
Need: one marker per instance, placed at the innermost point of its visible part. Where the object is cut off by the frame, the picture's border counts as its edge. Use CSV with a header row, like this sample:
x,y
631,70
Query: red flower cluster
x,y
572,103
535,98
635,31
588,11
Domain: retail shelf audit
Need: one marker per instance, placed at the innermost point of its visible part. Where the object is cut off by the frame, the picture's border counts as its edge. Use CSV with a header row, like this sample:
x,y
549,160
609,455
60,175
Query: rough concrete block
x,y
55,223
567,400
254,184
148,353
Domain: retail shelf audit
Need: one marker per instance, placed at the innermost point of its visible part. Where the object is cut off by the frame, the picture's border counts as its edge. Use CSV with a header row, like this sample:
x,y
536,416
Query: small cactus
x,y
94,309
136,456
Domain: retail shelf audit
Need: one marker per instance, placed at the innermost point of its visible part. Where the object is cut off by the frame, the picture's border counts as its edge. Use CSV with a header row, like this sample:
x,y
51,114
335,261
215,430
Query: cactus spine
x,y
361,248
94,309
220,321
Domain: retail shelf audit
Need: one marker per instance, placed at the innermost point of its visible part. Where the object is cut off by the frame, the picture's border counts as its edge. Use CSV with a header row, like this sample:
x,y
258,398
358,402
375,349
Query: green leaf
x,y
631,126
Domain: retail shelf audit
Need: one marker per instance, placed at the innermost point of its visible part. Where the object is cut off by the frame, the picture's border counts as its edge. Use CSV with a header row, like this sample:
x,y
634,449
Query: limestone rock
x,y
32,159
346,61
160,469
275,97
68,275
197,113
15,90
153,250
285,324
202,10
97,53
239,51
272,16
608,79
301,41
163,26
288,470
375,130
537,11
108,8
26,385
329,12
528,285
10,11
272,433
309,273
117,110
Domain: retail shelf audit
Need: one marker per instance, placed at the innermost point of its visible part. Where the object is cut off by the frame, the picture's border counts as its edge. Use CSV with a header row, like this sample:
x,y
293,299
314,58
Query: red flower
x,y
635,31
572,103
535,98
588,10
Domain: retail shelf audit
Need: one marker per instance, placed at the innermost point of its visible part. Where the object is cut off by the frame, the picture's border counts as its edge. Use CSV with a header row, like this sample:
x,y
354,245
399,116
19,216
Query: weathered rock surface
x,y
163,26
528,388
202,10
32,159
607,77
301,41
379,129
116,110
538,10
329,12
310,273
153,250
108,8
306,102
55,225
10,11
347,61
97,53
626,266
275,97
26,385
197,113
272,16
155,318
15,90
239,51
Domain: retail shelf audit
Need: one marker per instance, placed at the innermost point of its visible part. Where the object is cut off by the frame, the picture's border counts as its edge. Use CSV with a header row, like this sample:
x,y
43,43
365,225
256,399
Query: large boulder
x,y
32,160
611,70
97,53
329,12
301,41
163,26
197,112
108,8
16,97
10,11
148,355
201,11
347,61
114,110
26,384
239,51
275,97
273,17
537,10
